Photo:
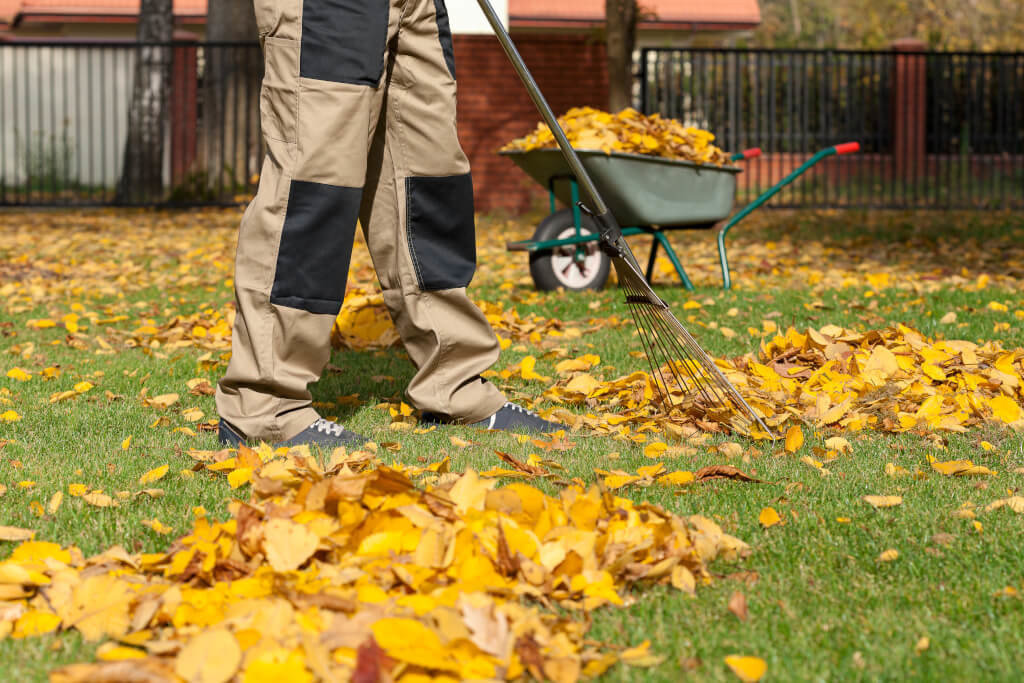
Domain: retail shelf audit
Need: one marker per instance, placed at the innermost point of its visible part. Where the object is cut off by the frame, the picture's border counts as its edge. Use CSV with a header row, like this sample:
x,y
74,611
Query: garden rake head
x,y
682,372
685,376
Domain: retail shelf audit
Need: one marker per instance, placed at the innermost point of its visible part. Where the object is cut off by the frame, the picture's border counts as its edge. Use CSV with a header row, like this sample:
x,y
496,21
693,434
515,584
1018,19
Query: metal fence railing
x,y
65,113
938,130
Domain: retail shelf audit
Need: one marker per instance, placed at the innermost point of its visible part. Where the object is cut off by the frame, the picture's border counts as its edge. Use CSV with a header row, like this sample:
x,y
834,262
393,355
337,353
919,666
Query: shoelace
x,y
519,408
327,427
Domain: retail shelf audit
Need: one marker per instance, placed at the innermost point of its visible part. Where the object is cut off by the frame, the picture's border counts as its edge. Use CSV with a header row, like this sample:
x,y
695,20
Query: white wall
x,y
64,108
466,16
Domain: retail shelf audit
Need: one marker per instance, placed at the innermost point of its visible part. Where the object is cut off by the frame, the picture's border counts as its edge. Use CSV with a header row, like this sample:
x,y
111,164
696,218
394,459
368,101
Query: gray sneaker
x,y
322,433
510,417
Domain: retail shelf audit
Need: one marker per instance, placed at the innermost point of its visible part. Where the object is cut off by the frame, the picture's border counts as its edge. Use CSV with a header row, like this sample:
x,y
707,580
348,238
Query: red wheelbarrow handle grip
x,y
847,148
751,153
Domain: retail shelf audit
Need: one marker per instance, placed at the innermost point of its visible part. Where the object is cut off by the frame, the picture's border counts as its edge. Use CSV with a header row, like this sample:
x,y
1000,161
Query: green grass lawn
x,y
821,605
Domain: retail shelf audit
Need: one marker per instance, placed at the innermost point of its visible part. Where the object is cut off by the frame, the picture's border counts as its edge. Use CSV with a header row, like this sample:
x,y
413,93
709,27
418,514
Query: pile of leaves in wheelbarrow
x,y
628,132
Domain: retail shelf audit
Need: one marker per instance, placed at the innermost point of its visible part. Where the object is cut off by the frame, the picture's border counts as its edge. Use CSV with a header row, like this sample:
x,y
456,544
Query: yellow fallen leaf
x,y
212,656
839,444
157,526
288,544
410,641
1015,503
768,517
109,652
162,401
617,481
888,555
99,499
526,369
923,643
240,477
794,439
748,669
193,414
883,501
1005,408
640,655
19,375
655,450
55,500
155,474
9,416
961,468
676,478
730,449
13,533
126,443
35,623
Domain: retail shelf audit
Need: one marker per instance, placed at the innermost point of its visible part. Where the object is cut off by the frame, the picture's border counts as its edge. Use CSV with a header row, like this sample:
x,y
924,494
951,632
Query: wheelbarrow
x,y
650,194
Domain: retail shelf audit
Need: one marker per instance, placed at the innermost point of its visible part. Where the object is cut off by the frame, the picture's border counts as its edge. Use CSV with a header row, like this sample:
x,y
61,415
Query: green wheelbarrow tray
x,y
652,194
639,189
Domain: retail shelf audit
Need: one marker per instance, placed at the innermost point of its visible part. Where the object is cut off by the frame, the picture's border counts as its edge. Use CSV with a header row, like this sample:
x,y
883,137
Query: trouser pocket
x,y
344,41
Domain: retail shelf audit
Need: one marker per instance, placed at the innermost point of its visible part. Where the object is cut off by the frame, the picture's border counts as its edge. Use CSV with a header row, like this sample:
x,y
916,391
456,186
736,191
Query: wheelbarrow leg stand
x,y
660,238
654,255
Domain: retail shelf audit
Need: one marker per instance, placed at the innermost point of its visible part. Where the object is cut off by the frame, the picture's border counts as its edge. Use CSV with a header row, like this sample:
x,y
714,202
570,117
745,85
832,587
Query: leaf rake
x,y
683,373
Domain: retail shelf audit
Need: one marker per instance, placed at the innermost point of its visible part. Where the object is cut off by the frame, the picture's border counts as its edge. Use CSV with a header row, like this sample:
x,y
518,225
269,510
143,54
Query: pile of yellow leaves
x,y
629,132
342,574
891,380
364,323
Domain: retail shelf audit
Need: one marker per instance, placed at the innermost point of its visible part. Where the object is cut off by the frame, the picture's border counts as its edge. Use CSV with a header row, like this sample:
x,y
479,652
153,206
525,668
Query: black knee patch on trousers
x,y
316,247
343,41
441,230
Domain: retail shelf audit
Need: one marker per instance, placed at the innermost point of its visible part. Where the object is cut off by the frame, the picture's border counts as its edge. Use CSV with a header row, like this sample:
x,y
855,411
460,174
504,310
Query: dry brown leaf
x,y
724,472
738,606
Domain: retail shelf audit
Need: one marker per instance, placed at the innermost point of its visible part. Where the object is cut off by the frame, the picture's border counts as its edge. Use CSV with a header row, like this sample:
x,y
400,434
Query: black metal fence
x,y
937,130
65,114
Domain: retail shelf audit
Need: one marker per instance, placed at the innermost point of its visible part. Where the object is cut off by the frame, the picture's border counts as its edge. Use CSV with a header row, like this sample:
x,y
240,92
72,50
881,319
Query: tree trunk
x,y
142,177
231,96
620,19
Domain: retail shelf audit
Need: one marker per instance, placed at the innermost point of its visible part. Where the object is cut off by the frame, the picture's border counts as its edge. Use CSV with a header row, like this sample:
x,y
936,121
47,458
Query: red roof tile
x,y
662,11
9,9
538,12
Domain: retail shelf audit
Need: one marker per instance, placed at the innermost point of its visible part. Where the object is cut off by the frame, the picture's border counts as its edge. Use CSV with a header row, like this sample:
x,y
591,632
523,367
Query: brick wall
x,y
494,107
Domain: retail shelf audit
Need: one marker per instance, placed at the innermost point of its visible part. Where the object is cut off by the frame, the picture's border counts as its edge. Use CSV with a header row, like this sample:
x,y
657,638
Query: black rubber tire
x,y
542,268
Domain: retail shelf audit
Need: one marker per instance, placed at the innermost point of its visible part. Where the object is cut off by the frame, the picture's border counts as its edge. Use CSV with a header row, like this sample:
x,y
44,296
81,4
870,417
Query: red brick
x,y
494,107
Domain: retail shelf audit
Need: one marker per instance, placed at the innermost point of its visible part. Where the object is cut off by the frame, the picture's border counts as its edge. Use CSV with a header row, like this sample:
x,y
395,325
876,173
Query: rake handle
x,y
611,233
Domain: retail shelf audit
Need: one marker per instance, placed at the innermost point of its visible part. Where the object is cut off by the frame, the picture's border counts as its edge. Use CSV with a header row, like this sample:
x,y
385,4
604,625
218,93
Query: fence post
x,y
909,107
184,106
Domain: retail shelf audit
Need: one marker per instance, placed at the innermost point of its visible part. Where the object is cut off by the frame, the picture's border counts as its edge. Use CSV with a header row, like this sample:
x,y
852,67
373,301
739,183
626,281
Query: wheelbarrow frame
x,y
658,232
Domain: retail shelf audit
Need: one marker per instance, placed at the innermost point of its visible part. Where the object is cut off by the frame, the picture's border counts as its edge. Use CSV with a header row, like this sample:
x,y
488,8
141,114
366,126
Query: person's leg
x,y
324,68
419,224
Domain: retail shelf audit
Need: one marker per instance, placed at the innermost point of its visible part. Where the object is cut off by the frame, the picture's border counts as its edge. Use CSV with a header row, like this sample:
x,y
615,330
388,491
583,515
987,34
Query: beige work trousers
x,y
358,113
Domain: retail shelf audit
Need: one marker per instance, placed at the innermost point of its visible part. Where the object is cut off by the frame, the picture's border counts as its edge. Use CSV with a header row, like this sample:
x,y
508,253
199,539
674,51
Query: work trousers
x,y
358,113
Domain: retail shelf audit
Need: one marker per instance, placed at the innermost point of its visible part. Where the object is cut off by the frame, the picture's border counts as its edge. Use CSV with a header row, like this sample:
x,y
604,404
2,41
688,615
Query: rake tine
x,y
668,353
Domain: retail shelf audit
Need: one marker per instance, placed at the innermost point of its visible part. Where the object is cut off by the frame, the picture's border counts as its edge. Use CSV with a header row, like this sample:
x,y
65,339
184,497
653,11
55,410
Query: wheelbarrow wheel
x,y
562,267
